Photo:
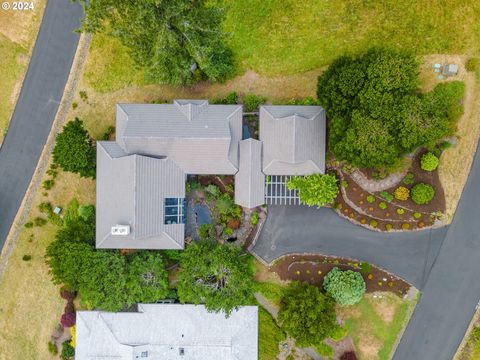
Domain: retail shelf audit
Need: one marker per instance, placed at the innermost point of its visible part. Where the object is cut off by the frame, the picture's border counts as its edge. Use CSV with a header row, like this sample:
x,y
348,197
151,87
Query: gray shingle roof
x,y
293,139
200,138
162,330
250,181
130,191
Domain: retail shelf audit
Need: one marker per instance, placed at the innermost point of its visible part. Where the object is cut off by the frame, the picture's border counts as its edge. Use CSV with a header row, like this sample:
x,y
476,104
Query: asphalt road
x,y
37,105
443,263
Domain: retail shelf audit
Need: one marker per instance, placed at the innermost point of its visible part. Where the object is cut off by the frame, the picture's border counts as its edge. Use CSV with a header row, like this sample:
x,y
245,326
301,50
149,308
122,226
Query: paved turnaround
x,y
444,263
37,105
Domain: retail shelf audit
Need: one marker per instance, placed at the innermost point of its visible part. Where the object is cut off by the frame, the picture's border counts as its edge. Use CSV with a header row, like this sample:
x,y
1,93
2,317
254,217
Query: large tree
x,y
74,150
176,41
375,111
217,276
307,314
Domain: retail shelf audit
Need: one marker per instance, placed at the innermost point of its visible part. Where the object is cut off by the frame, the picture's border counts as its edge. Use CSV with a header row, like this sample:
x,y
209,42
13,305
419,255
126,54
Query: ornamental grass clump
x,y
429,162
345,287
422,193
315,190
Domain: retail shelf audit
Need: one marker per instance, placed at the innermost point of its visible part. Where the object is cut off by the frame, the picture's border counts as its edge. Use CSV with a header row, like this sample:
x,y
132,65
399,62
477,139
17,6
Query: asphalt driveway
x,y
37,105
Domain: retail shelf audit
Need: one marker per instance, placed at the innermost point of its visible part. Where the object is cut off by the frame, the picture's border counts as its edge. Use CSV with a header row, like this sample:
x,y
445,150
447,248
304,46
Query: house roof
x,y
250,181
131,190
200,138
293,139
159,331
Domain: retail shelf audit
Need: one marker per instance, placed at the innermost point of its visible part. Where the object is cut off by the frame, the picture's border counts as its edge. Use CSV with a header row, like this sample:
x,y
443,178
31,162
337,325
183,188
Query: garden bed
x,y
382,210
313,268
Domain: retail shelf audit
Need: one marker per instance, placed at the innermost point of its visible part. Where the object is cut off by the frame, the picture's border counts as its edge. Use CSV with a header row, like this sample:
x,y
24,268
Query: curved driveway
x,y
37,105
444,263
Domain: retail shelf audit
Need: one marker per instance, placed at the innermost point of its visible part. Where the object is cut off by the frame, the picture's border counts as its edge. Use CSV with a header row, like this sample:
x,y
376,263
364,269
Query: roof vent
x,y
121,230
181,351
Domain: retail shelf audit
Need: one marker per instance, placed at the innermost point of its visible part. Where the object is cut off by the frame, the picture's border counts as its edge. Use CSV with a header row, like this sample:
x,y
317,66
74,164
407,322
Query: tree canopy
x,y
217,275
177,41
74,150
346,287
316,189
375,111
307,314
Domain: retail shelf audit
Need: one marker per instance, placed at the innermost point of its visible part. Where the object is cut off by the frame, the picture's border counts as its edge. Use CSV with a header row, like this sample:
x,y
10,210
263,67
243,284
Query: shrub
x,y
471,64
370,199
68,319
429,162
173,255
206,231
305,101
38,221
28,225
68,351
67,294
255,218
108,133
52,348
417,215
349,355
382,205
388,227
373,223
27,257
324,350
366,267
400,211
344,184
386,196
252,102
422,193
401,193
405,226
315,190
230,99
48,184
345,287
74,105
213,190
83,95
409,179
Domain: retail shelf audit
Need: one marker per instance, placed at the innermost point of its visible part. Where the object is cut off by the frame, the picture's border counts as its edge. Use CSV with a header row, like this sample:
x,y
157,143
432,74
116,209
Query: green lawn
x,y
11,69
269,336
283,37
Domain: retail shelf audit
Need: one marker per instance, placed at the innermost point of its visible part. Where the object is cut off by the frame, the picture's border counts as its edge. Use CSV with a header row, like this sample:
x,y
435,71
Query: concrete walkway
x,y
444,263
37,105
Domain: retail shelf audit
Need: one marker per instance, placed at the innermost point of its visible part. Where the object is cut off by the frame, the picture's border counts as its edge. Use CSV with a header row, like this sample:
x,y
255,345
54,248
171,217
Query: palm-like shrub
x,y
422,193
346,287
429,162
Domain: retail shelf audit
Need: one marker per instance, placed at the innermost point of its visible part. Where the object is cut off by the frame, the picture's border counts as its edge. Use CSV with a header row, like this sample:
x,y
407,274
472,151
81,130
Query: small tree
x,y
422,193
74,150
217,276
429,162
315,190
307,314
346,287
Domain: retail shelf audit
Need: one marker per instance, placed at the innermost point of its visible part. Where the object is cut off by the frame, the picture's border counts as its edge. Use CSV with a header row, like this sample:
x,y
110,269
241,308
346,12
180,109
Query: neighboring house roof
x,y
131,190
200,138
293,139
161,331
250,181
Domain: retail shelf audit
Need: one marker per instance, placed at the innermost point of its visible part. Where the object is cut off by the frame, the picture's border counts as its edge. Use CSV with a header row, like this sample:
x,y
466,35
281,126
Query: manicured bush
x,y
68,351
388,227
386,195
27,257
366,267
315,190
417,215
345,287
252,102
401,193
409,179
422,193
400,211
429,162
405,226
370,199
68,319
382,205
373,223
255,218
471,64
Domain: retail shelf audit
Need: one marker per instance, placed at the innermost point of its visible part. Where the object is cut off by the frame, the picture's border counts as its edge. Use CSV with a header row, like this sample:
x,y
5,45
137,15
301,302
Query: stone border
x,y
62,112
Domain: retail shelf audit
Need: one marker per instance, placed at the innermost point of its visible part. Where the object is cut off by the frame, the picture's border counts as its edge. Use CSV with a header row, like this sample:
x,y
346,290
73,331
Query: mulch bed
x,y
221,181
396,215
313,268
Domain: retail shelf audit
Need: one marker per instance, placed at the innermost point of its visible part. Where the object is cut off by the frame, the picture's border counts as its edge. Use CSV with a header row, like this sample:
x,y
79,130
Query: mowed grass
x,y
30,305
376,323
18,31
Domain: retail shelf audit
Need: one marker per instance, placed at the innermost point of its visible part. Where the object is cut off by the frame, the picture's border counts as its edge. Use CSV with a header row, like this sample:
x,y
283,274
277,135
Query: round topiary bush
x,y
345,287
429,162
401,193
422,193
